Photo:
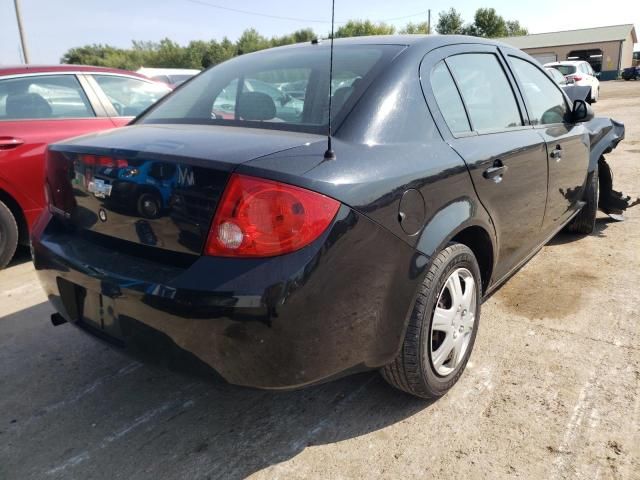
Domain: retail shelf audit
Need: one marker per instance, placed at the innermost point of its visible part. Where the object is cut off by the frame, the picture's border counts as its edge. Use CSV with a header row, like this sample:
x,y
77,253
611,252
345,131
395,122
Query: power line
x,y
295,19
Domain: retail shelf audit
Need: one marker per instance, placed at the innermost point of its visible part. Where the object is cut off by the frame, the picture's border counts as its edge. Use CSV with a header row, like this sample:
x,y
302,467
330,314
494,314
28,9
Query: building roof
x,y
573,37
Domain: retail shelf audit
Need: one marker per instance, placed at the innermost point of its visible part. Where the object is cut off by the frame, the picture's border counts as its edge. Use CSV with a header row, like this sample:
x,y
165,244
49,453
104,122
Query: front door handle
x,y
556,153
7,143
496,171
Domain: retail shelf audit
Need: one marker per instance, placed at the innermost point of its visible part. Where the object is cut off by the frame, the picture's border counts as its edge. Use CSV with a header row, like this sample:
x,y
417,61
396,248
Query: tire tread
x,y
406,371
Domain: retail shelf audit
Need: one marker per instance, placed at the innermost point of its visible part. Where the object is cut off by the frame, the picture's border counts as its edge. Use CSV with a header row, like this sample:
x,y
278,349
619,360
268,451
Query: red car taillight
x,y
577,78
100,161
264,218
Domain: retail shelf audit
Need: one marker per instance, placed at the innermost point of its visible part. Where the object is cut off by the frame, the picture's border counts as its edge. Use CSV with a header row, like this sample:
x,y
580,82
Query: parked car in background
x,y
280,265
631,73
44,104
557,77
172,77
580,73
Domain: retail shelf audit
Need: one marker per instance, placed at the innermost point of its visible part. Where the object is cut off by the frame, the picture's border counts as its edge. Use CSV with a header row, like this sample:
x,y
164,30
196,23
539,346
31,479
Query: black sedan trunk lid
x,y
154,185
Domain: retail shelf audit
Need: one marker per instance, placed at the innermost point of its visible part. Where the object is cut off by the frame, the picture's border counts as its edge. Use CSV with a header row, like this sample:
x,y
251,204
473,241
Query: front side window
x,y
448,99
544,99
130,96
285,88
485,90
43,97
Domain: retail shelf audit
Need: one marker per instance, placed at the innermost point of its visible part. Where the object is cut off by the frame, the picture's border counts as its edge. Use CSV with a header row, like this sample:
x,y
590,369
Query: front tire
x,y
443,326
8,235
585,222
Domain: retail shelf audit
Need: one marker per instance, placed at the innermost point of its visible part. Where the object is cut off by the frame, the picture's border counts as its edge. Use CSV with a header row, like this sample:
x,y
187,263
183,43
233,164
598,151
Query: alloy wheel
x,y
453,321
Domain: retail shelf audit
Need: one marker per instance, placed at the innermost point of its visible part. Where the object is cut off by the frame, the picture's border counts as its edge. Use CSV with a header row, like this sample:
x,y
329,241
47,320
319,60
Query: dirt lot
x,y
552,391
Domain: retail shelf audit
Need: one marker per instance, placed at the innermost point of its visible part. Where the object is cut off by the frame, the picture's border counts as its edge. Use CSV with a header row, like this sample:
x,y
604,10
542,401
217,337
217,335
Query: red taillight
x,y
577,78
263,218
100,161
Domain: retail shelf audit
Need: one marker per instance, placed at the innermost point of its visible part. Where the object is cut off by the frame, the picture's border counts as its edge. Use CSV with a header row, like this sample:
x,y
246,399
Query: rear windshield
x,y
565,69
285,88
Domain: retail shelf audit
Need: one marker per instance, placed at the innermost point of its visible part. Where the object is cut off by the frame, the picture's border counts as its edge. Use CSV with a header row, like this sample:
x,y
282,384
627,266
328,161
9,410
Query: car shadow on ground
x,y
90,405
602,223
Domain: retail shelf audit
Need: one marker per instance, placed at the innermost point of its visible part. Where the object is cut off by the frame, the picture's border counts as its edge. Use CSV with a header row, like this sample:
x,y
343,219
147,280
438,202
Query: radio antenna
x,y
330,154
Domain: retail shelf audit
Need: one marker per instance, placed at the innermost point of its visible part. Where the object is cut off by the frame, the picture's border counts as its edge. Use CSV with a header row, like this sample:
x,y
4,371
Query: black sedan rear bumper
x,y
336,306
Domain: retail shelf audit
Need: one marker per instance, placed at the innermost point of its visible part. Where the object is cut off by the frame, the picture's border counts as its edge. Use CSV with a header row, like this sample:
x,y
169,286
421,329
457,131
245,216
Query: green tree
x,y
514,29
487,23
203,54
358,28
299,36
412,28
450,22
251,41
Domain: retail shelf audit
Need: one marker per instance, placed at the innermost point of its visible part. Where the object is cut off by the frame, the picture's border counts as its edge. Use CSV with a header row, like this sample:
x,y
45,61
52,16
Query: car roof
x,y
23,69
427,42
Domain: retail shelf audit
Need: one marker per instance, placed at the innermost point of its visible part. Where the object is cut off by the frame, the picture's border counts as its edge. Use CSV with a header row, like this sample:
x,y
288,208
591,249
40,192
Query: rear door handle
x,y
496,171
556,153
7,143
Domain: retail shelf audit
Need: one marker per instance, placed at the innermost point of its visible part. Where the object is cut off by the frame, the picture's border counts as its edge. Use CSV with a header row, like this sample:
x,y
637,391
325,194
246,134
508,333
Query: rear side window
x,y
545,101
43,97
486,91
448,99
130,96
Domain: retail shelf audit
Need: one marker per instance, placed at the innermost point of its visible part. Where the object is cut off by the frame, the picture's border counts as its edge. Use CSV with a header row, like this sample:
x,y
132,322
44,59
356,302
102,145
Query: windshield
x,y
565,69
284,88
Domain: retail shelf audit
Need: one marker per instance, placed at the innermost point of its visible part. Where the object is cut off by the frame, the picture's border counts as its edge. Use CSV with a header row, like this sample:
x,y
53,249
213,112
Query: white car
x,y
172,77
582,75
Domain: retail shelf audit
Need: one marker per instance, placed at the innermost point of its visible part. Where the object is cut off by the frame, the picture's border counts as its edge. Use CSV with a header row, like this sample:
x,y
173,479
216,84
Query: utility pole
x,y
429,23
23,42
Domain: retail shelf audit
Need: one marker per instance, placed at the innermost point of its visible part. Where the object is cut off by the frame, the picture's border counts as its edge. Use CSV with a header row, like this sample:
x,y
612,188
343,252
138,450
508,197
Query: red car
x,y
40,105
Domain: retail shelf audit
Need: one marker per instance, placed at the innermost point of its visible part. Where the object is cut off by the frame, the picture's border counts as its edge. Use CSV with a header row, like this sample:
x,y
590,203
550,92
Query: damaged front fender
x,y
604,135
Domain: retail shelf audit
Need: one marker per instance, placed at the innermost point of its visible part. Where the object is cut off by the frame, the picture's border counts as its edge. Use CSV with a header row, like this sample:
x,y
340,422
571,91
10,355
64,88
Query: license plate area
x,y
89,308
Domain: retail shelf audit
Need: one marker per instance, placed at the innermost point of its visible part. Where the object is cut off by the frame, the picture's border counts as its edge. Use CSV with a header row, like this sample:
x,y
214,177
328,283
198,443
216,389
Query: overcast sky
x,y
54,26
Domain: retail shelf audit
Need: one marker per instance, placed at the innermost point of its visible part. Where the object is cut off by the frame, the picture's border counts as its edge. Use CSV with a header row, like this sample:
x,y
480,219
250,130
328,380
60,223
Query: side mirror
x,y
596,74
582,112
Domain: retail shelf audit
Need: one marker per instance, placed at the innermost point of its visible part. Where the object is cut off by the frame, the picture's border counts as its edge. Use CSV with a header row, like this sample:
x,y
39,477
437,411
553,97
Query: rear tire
x,y
419,369
585,221
8,235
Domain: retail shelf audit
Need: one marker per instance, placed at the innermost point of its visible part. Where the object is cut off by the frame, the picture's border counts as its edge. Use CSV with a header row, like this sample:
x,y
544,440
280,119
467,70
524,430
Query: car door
x,y
125,97
470,92
35,110
567,143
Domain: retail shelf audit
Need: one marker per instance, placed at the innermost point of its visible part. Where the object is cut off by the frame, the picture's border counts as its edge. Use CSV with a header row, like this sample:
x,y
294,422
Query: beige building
x,y
607,49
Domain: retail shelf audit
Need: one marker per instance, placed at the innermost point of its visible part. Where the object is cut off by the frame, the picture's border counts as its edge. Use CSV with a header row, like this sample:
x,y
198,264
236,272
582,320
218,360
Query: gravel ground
x,y
552,391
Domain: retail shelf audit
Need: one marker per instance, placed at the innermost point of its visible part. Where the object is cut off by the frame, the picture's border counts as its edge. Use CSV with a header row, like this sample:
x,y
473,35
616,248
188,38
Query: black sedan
x,y
278,266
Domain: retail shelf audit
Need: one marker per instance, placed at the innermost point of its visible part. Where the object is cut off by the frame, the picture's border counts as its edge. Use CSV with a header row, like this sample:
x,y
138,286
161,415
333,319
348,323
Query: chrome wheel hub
x,y
453,321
